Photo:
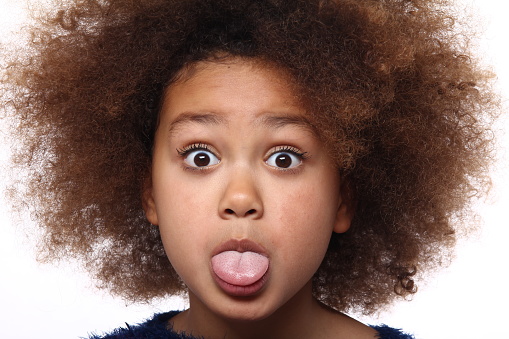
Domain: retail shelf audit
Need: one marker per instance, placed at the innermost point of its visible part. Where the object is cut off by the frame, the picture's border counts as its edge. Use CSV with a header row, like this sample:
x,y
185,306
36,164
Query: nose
x,y
241,198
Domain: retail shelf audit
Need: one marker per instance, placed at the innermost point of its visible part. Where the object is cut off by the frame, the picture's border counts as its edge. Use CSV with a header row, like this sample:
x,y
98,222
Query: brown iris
x,y
283,160
201,159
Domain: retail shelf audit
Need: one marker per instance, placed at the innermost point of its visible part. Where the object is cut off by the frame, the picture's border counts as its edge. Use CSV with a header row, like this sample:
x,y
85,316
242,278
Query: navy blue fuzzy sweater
x,y
157,328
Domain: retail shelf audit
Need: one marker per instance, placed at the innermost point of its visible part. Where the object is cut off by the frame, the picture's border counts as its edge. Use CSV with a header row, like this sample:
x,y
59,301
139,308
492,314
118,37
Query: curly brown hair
x,y
398,101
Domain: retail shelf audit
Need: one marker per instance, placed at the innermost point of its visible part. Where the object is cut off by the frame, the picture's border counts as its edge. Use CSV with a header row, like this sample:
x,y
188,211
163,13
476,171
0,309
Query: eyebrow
x,y
271,121
200,118
277,121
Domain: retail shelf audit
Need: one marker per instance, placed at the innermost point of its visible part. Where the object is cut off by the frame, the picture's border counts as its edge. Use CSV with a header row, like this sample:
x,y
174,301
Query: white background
x,y
466,300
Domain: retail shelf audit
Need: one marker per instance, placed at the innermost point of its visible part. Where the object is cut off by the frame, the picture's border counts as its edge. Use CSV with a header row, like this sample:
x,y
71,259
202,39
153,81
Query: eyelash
x,y
193,147
289,149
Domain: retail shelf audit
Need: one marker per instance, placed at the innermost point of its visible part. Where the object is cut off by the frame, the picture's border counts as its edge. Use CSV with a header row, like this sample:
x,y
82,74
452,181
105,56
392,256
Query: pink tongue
x,y
238,268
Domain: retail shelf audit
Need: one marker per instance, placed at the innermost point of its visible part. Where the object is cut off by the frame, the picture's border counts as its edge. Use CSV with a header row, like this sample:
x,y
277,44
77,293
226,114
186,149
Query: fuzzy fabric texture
x,y
386,332
156,328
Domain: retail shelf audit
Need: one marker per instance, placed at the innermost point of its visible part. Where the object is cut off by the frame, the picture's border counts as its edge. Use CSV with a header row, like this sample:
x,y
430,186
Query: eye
x,y
285,158
201,158
198,155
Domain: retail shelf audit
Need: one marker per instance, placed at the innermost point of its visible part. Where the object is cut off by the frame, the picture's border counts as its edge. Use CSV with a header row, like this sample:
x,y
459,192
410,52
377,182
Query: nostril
x,y
232,212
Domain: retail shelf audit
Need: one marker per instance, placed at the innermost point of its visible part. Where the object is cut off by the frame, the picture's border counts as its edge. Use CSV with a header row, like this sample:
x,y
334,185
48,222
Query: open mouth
x,y
240,267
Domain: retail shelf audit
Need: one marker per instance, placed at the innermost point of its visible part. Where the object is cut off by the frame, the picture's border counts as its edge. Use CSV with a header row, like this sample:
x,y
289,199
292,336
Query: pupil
x,y
202,159
283,161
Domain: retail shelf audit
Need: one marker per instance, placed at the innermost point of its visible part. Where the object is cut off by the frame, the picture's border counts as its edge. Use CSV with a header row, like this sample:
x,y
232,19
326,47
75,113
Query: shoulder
x,y
156,327
344,326
386,332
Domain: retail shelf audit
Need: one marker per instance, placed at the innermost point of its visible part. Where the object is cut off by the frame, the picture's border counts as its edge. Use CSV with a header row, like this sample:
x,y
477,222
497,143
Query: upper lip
x,y
240,245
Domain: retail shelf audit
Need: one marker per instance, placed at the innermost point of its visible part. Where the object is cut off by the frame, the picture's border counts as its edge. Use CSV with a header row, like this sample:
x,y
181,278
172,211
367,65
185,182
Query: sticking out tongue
x,y
238,268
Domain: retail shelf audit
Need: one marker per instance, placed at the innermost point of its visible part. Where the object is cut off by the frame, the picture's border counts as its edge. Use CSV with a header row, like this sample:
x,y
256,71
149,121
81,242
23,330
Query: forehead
x,y
235,73
217,91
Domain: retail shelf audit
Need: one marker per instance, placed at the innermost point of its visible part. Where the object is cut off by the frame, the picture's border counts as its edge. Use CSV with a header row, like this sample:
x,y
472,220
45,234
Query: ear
x,y
346,208
148,202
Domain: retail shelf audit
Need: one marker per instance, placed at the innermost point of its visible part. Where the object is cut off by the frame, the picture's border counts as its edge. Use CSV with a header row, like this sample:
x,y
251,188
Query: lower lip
x,y
241,291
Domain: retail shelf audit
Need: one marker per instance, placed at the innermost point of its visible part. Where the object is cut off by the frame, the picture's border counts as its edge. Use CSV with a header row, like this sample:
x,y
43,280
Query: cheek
x,y
178,201
183,227
314,203
307,219
183,213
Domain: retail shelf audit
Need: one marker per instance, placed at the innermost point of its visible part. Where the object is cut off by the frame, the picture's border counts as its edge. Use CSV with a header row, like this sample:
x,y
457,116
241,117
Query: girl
x,y
292,159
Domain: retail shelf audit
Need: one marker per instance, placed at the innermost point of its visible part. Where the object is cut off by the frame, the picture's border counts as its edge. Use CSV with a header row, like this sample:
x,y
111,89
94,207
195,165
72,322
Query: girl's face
x,y
243,191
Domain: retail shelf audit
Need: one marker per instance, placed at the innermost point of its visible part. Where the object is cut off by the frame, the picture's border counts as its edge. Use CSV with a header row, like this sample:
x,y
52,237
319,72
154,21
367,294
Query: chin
x,y
247,310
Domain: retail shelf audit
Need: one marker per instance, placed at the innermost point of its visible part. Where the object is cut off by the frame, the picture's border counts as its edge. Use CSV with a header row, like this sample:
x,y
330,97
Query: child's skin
x,y
235,159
